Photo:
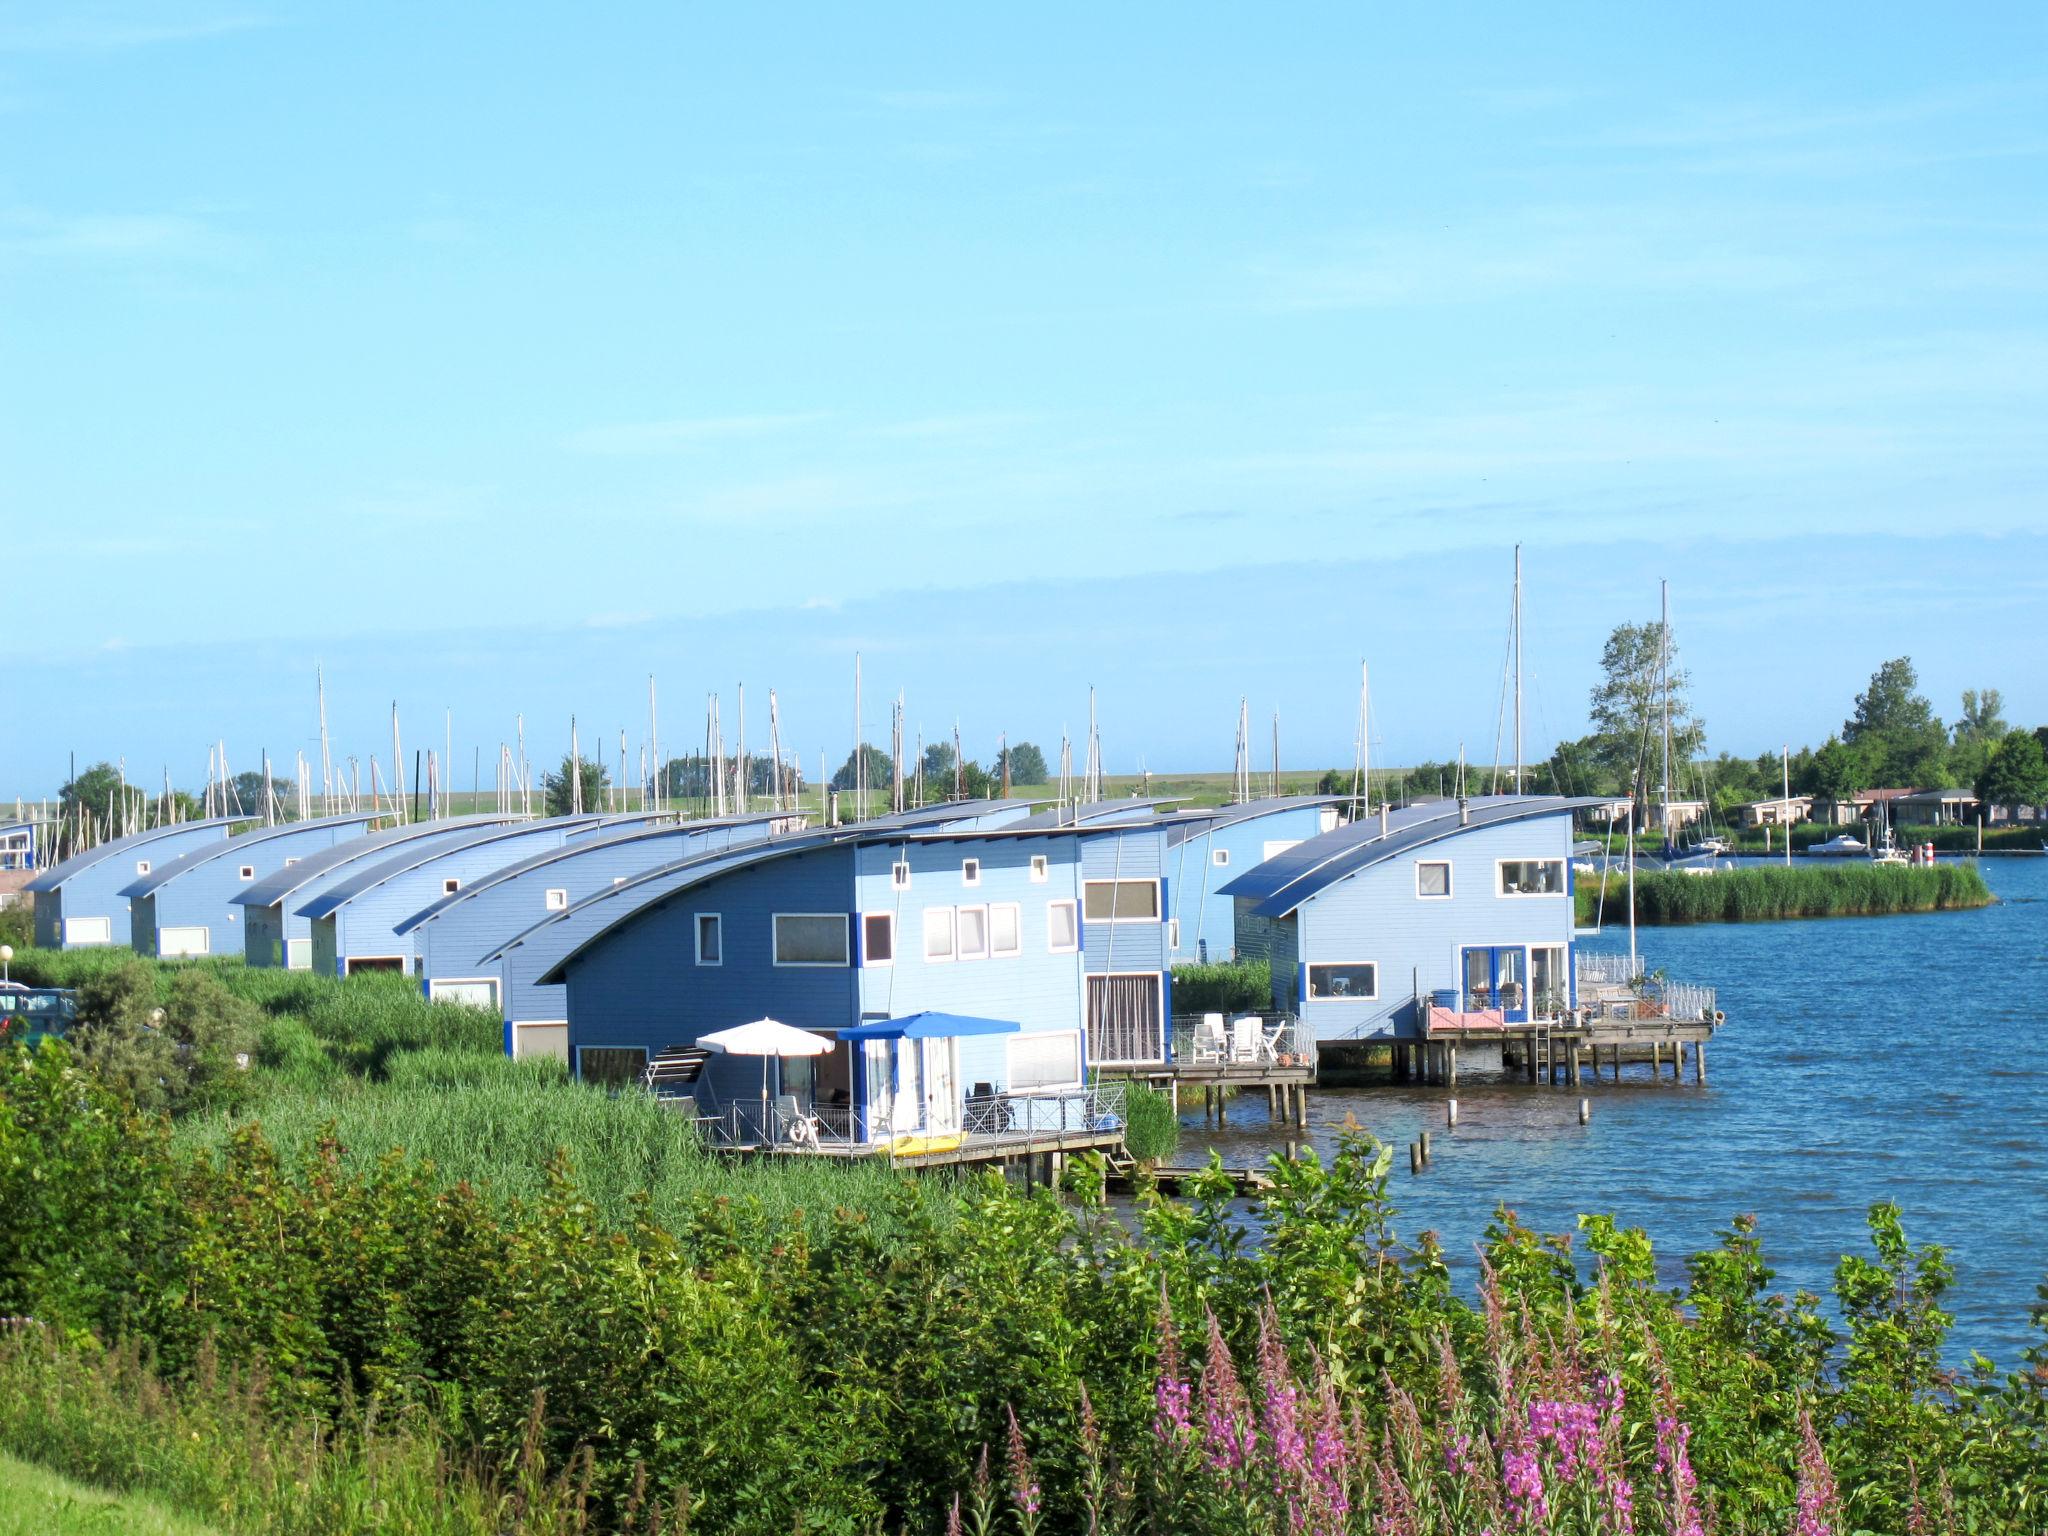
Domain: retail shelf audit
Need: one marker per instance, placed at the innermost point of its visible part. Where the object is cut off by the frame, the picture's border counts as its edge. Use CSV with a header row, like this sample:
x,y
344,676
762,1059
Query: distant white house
x,y
1781,812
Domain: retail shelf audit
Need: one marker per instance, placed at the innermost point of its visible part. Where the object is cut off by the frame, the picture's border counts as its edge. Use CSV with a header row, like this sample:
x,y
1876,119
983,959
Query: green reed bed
x,y
1762,893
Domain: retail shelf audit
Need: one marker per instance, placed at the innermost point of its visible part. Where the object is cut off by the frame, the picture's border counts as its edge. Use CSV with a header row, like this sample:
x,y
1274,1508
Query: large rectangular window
x,y
1350,979
1121,901
1062,932
1433,879
481,992
1531,877
878,938
611,1066
710,939
810,938
938,933
1045,1061
1005,929
974,933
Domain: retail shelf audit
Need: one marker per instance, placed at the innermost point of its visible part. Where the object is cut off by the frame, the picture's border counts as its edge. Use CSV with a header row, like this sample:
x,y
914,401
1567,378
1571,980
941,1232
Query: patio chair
x,y
793,1125
1269,1042
1247,1035
1209,1042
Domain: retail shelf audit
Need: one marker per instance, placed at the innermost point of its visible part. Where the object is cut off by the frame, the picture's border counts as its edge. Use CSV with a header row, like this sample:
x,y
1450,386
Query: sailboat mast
x,y
1518,669
1664,688
1786,761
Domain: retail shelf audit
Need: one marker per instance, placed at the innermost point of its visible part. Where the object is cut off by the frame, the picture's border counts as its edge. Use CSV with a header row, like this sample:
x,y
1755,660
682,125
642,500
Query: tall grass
x,y
1151,1129
1223,986
1766,892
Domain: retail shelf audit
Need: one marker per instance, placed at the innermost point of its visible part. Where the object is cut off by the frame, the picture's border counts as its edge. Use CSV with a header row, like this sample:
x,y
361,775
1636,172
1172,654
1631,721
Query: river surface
x,y
1864,1059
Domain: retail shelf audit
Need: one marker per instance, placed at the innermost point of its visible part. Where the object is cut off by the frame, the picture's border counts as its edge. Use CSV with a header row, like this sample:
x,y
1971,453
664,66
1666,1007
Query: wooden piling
x,y
1585,1111
1451,1067
1450,1112
1415,1157
1699,1063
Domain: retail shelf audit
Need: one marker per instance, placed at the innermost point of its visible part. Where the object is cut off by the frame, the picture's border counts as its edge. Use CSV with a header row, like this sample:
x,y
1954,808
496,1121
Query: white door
x,y
908,1110
942,1086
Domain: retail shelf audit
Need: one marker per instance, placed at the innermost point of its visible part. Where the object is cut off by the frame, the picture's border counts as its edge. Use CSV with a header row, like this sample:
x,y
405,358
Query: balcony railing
x,y
1613,986
998,1120
1252,1042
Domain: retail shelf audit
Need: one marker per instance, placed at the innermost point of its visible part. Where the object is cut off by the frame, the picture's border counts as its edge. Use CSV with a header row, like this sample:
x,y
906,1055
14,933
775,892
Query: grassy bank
x,y
1761,893
36,1502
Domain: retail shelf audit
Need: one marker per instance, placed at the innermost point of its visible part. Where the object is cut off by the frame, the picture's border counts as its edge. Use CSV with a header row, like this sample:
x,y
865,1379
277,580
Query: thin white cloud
x,y
98,29
688,432
114,236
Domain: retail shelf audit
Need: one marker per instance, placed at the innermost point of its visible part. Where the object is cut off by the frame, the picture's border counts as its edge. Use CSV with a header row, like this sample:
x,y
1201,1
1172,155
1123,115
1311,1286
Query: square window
x,y
899,875
142,866
710,939
878,938
450,887
1062,930
1005,929
1220,857
810,938
1433,879
557,900
1039,869
248,871
974,933
288,863
938,933
970,871
1354,980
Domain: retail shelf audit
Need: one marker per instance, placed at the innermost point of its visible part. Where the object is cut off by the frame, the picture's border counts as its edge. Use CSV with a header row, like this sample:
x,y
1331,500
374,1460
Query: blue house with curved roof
x,y
453,936
184,907
973,933
356,918
273,931
79,904
1209,848
1466,903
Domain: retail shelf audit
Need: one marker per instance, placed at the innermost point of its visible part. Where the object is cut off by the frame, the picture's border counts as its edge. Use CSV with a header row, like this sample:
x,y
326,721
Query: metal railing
x,y
1609,970
1124,1043
1275,1040
1019,1119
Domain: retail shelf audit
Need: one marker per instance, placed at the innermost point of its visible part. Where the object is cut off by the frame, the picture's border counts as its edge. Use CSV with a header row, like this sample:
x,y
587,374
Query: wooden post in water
x,y
1656,1061
1423,1141
1301,1106
1451,1112
1699,1063
1451,1068
1585,1111
1415,1157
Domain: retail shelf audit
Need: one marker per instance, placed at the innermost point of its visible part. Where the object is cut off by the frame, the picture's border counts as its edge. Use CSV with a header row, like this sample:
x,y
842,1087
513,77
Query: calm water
x,y
1864,1058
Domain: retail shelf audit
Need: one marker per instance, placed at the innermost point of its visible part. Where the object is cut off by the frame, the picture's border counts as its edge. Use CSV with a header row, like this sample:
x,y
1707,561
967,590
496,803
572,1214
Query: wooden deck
x,y
1560,1050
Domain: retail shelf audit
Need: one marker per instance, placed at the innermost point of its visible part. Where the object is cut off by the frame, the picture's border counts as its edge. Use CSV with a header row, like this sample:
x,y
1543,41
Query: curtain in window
x,y
1123,1018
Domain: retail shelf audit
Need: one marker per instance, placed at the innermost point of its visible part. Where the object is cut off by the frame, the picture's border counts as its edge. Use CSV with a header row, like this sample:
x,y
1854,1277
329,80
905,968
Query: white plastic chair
x,y
1246,1036
1209,1040
796,1127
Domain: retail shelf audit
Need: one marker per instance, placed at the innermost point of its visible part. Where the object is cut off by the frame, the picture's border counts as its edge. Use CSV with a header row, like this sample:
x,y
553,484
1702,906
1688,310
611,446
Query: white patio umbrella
x,y
765,1038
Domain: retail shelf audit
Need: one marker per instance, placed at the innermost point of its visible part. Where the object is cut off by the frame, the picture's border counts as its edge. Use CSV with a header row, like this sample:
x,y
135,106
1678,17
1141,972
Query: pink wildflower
x,y
1674,1471
1024,1490
1229,1437
1171,1394
1818,1507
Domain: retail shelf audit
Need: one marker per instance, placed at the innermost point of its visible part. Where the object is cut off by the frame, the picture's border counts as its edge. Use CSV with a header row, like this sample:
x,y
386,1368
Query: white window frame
x,y
1500,878
867,957
1158,905
1063,949
899,875
697,936
1172,933
960,933
288,863
450,886
945,914
1350,997
970,871
75,930
184,950
1009,1059
1016,911
555,899
142,866
1450,880
1220,857
247,872
1041,869
436,982
775,943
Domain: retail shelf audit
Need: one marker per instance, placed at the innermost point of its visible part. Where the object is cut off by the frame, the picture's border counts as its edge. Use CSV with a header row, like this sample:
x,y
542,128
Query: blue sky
x,y
1190,354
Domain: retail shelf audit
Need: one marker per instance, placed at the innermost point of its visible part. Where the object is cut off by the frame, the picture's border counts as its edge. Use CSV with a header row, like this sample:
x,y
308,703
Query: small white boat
x,y
1841,847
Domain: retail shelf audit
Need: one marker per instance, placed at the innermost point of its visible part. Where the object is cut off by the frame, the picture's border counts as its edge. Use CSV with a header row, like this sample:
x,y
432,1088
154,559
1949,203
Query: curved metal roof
x,y
1099,810
576,847
1286,880
370,876
78,863
186,862
272,889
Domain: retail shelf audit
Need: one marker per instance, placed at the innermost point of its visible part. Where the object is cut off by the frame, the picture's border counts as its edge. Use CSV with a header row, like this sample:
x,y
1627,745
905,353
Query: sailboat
x,y
1699,856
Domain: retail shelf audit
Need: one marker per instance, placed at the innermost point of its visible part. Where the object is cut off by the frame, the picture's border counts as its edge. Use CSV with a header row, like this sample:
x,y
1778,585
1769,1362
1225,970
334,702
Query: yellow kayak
x,y
918,1146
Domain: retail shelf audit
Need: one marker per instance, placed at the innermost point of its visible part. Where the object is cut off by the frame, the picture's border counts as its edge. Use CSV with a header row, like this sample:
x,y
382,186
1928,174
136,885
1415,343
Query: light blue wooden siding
x,y
95,891
454,943
199,897
641,986
1375,915
1207,918
1137,853
365,923
1036,989
1275,940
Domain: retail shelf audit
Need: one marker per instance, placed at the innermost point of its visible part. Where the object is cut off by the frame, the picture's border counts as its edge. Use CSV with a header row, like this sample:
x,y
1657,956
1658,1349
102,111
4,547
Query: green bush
x,y
1151,1128
1223,986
